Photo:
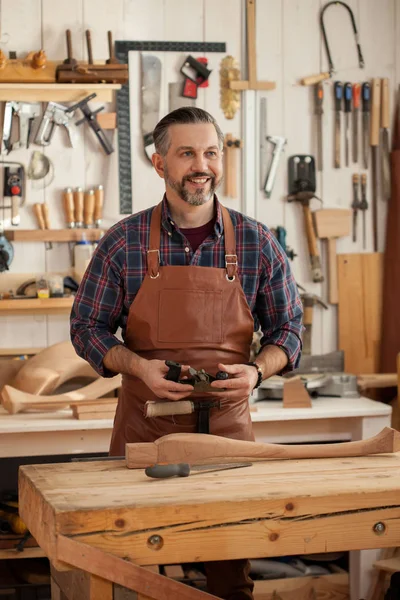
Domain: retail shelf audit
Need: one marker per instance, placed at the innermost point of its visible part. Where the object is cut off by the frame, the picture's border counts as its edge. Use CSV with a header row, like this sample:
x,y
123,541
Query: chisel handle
x,y
46,217
69,210
37,209
164,471
98,204
312,79
375,112
385,118
78,204
366,96
89,208
356,95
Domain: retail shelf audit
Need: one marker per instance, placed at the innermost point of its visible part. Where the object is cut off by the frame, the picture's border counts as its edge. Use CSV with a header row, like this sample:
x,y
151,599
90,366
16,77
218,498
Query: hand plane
x,y
200,380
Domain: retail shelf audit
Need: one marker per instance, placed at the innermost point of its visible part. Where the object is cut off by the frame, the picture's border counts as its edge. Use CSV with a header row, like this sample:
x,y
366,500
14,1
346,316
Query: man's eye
x,y
187,153
211,153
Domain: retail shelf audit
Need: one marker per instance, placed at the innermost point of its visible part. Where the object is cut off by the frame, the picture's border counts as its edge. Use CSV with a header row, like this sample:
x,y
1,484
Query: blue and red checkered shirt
x,y
119,265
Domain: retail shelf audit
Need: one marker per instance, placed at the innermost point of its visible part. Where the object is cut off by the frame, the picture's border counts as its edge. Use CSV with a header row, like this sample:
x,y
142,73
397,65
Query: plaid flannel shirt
x,y
119,265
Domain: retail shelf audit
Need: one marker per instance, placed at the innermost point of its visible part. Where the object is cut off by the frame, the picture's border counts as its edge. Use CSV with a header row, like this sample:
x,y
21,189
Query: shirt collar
x,y
169,225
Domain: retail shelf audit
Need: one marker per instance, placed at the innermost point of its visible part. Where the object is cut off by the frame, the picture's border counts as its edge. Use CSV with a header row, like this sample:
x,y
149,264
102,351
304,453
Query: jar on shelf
x,y
83,252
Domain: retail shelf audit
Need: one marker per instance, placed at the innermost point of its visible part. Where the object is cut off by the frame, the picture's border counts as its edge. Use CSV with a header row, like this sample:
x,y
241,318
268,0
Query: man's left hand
x,y
241,382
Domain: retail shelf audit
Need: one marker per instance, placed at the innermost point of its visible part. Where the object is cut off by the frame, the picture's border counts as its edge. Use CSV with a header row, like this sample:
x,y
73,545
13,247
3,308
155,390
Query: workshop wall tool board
x,y
288,47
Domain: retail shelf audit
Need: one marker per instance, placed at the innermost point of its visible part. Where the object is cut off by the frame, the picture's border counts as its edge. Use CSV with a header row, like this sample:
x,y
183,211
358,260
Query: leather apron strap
x,y
153,253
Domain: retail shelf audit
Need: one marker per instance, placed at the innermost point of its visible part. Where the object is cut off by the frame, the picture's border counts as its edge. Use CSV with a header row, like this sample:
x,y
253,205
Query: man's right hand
x,y
153,375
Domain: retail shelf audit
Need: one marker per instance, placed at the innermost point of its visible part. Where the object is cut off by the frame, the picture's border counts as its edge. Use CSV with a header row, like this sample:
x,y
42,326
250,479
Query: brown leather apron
x,y
196,316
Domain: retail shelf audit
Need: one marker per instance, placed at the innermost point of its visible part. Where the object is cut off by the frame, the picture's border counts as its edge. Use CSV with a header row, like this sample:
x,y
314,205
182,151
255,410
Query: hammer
x,y
315,259
309,300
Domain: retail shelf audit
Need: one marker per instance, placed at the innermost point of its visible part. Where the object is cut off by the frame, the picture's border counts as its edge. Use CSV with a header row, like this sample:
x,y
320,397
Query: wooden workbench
x,y
272,508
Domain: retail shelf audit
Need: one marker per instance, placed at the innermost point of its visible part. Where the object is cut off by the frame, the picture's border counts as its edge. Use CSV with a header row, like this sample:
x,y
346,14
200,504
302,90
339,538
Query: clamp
x,y
55,114
89,116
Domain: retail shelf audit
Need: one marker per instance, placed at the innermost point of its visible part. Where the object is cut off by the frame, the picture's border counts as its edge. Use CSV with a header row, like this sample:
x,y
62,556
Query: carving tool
x,y
366,107
385,152
88,208
184,469
338,90
356,204
98,205
69,210
78,206
356,110
319,98
374,142
348,93
364,207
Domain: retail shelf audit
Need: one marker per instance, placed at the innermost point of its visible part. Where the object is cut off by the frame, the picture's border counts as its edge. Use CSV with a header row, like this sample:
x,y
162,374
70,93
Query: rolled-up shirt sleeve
x,y
278,305
98,306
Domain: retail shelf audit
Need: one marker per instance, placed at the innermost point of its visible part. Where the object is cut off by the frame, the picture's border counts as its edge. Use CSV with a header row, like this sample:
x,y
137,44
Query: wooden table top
x,y
271,508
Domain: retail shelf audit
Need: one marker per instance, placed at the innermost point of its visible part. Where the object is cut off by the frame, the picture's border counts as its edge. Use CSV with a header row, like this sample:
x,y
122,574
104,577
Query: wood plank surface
x,y
271,508
327,587
360,304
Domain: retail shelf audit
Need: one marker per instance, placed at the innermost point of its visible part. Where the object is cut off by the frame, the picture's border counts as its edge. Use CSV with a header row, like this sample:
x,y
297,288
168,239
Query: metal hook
x,y
353,22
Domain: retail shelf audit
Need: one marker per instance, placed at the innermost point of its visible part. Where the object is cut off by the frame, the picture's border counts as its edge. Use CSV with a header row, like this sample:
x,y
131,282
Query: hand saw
x,y
151,87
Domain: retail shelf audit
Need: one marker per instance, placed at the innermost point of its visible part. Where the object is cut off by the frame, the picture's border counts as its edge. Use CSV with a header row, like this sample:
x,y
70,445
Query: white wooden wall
x,y
288,48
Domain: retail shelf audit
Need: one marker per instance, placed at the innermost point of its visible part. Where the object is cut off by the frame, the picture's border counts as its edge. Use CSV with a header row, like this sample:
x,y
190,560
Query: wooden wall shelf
x,y
57,92
49,306
53,235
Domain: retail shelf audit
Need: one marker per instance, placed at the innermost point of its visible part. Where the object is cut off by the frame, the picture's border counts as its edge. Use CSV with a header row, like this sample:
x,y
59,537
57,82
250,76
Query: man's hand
x,y
153,375
241,382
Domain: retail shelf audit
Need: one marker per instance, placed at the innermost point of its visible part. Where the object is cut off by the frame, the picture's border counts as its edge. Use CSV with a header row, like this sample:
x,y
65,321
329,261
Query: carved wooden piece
x,y
47,370
197,448
15,401
295,394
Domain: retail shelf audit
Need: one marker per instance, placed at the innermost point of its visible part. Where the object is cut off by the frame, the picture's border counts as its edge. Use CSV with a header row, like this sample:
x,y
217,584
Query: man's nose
x,y
200,163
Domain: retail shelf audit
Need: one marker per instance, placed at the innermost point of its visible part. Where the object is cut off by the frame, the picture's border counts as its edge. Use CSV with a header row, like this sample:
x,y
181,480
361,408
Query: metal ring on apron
x,y
155,276
230,278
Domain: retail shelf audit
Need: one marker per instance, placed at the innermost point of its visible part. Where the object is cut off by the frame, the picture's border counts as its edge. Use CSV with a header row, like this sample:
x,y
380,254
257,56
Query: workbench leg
x,y
79,585
56,593
361,562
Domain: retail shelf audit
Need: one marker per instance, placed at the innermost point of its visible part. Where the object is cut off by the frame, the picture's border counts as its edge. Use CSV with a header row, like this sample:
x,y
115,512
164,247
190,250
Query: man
x,y
188,281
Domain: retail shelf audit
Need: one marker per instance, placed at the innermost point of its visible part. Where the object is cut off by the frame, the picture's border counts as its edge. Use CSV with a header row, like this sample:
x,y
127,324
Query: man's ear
x,y
158,164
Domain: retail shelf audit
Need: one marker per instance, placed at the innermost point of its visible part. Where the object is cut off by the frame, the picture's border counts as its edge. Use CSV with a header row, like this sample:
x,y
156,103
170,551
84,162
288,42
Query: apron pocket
x,y
186,316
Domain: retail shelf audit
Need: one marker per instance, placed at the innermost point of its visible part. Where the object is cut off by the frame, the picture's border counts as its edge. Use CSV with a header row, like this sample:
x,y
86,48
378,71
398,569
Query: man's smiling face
x,y
193,164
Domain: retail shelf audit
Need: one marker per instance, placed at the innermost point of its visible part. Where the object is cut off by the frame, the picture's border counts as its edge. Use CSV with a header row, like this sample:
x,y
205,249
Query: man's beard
x,y
198,197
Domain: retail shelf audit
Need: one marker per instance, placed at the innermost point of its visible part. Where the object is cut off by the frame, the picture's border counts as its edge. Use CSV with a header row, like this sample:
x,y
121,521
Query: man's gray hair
x,y
182,116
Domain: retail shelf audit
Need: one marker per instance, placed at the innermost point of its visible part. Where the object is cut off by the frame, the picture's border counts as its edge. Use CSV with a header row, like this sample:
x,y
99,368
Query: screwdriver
x,y
348,94
366,107
356,109
338,90
364,205
319,97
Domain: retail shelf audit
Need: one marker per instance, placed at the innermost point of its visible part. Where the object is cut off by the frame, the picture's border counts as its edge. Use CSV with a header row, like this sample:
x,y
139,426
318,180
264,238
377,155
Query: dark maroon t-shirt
x,y
196,235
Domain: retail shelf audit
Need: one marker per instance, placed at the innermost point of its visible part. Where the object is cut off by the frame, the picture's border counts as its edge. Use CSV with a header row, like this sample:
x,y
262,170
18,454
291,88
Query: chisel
x,y
366,107
78,205
385,152
89,208
69,208
160,471
356,110
363,207
356,204
338,89
374,142
348,94
98,205
319,97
